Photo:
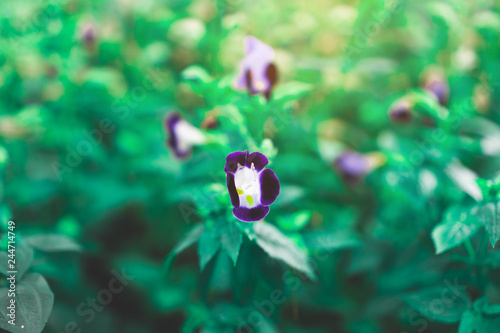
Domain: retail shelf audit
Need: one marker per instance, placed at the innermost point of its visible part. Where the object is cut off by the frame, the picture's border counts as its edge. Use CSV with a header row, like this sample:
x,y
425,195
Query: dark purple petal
x,y
269,187
170,121
272,76
248,83
401,113
259,160
235,199
233,159
251,214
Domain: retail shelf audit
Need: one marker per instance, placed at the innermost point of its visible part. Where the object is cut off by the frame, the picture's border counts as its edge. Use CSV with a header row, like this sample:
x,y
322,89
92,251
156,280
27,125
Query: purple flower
x,y
257,73
352,165
439,89
400,111
182,136
251,187
88,33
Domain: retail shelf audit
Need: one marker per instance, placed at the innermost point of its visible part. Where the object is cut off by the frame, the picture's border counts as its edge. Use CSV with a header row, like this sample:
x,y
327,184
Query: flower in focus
x,y
251,187
257,73
437,87
400,111
182,136
353,166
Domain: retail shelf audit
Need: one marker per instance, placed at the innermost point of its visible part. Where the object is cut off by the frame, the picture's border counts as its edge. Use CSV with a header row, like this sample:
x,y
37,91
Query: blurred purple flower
x,y
400,111
251,187
182,136
88,33
437,87
257,72
352,166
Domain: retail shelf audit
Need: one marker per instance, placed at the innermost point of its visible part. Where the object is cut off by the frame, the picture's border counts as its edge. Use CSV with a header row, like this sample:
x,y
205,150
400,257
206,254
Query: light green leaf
x,y
465,179
482,318
33,301
290,91
329,241
468,323
5,215
295,222
197,74
280,247
52,243
457,227
488,214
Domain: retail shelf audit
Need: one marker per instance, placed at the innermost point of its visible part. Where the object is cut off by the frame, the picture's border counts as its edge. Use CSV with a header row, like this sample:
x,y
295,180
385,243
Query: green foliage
x,y
458,226
409,244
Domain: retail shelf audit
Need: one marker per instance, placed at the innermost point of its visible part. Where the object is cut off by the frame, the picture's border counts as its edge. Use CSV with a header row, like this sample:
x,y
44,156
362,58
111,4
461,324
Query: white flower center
x,y
247,182
187,136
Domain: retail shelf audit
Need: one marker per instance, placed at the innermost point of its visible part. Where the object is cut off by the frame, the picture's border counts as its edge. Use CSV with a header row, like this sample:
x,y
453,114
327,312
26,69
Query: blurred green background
x,y
105,215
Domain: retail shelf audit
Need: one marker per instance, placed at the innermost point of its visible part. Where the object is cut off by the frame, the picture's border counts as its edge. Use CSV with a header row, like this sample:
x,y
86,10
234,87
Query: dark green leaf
x,y
444,304
189,239
208,245
231,241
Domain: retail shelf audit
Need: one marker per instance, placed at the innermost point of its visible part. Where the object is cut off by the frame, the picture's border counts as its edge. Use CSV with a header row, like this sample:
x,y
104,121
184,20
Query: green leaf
x,y
34,301
294,222
290,91
457,227
52,243
23,258
488,215
280,247
464,179
482,318
328,241
231,240
444,304
196,74
189,239
468,323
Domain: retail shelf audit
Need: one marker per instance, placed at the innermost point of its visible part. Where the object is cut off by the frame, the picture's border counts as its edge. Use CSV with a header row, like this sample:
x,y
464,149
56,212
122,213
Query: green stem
x,y
484,245
470,250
